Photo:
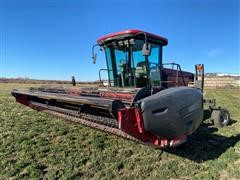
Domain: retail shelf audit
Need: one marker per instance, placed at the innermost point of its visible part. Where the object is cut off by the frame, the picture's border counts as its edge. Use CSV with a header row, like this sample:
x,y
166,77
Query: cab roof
x,y
132,32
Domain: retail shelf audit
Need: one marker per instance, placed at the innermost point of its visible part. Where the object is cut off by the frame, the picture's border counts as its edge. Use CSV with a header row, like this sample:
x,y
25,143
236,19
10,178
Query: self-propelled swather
x,y
144,99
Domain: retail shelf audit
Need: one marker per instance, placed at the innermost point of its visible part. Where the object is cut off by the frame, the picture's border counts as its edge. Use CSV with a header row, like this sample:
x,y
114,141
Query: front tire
x,y
221,117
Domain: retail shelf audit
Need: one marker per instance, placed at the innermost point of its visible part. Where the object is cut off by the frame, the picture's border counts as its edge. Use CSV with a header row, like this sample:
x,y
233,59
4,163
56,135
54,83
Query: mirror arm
x,y
145,36
93,53
93,47
145,39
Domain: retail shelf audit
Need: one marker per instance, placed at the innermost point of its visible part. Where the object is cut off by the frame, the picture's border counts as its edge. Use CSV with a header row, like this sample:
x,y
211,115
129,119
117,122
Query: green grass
x,y
37,145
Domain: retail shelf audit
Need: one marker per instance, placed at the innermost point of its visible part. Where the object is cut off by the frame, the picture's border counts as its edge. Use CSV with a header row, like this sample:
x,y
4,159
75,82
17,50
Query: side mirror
x,y
94,57
146,50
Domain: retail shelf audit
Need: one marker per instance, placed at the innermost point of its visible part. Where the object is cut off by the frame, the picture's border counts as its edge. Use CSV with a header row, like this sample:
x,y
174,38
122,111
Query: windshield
x,y
128,67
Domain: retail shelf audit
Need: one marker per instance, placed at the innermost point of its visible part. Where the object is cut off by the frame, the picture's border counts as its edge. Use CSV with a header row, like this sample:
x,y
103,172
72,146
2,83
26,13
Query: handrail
x,y
160,66
99,74
178,67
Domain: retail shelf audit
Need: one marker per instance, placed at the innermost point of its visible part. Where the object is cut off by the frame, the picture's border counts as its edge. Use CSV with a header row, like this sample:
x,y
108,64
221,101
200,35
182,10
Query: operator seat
x,y
141,74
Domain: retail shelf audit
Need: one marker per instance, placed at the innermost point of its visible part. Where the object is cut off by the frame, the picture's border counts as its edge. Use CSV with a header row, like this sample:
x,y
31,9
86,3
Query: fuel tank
x,y
173,112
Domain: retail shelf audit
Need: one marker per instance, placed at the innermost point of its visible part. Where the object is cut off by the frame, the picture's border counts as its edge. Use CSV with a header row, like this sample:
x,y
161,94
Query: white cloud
x,y
213,53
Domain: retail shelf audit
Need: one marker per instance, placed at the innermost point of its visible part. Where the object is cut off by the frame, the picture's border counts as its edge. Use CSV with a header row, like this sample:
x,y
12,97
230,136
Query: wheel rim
x,y
224,117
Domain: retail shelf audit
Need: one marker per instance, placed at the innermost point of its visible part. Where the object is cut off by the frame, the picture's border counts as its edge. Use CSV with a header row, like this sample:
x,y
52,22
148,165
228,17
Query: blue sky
x,y
53,39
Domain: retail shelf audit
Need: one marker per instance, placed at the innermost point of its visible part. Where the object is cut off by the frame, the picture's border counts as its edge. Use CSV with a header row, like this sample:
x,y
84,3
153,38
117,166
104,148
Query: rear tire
x,y
221,117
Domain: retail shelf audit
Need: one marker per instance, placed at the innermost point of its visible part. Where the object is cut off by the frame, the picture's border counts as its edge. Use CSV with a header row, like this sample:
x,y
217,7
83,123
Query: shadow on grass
x,y
232,122
203,145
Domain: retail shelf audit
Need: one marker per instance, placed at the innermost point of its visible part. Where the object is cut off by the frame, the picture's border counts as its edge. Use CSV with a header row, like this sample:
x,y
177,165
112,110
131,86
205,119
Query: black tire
x,y
221,117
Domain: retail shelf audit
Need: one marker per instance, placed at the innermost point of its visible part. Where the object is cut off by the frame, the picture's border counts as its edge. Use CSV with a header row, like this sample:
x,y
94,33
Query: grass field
x,y
37,145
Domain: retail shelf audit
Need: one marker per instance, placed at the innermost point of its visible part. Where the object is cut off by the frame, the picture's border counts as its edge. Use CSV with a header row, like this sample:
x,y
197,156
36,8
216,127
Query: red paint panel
x,y
130,121
23,100
117,96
